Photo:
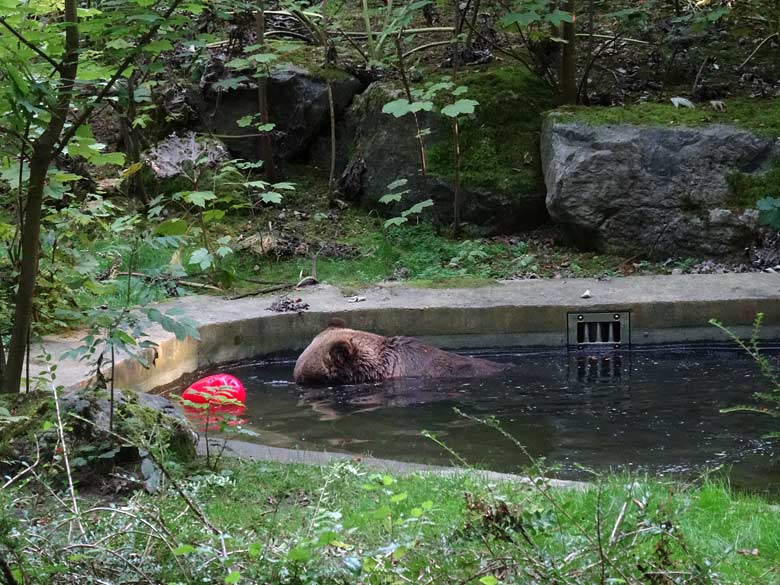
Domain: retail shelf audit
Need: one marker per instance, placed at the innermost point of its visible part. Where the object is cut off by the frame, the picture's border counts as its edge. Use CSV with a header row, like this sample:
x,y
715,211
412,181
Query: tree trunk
x,y
568,73
2,357
41,158
135,182
265,149
456,193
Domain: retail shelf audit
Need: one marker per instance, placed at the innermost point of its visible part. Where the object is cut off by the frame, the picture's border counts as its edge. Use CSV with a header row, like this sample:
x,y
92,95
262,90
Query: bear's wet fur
x,y
339,355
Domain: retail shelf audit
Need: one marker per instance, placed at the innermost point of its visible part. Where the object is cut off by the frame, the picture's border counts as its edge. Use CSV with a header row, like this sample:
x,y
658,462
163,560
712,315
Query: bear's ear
x,y
342,353
337,323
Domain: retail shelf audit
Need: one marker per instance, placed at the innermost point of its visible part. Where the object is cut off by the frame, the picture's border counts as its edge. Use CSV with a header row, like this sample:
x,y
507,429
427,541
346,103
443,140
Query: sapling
x,y
395,194
419,100
454,111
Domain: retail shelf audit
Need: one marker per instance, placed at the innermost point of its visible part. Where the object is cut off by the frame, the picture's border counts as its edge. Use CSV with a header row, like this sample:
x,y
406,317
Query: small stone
x,y
586,295
677,270
356,299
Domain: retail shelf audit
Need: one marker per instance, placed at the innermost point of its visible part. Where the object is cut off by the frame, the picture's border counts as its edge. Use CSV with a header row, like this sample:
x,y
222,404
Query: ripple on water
x,y
649,411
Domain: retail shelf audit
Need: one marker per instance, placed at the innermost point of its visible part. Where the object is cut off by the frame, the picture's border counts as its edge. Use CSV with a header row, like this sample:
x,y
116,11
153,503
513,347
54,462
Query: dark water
x,y
654,411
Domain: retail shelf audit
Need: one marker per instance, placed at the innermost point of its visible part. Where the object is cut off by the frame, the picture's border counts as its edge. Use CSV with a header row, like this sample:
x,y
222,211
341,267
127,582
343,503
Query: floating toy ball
x,y
208,389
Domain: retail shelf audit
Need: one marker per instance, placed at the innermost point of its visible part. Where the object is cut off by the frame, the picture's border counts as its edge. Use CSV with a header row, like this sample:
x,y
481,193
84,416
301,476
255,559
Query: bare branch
x,y
761,44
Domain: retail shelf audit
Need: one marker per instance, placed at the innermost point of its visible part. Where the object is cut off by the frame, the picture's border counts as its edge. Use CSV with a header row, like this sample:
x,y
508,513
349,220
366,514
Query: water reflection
x,y
654,411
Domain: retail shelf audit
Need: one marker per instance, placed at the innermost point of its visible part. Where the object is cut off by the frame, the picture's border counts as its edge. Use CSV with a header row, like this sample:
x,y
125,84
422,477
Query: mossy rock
x,y
501,178
30,419
747,188
500,143
761,116
298,105
656,191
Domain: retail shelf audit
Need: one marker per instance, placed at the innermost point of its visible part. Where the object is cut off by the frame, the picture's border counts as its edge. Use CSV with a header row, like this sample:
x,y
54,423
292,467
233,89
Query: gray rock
x,y
375,149
651,191
297,103
97,410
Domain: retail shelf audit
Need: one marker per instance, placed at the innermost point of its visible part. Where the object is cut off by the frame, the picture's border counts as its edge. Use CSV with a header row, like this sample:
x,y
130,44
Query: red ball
x,y
206,389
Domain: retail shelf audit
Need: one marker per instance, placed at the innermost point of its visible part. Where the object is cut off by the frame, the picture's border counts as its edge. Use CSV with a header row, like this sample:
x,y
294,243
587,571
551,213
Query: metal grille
x,y
588,370
594,330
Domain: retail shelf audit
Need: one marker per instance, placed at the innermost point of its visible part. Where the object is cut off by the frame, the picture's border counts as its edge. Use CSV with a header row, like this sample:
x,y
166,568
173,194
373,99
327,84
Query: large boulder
x,y
297,102
501,188
651,191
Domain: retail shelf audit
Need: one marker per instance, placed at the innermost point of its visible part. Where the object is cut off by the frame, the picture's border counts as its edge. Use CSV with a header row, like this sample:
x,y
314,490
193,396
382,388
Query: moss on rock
x,y
759,115
500,143
747,189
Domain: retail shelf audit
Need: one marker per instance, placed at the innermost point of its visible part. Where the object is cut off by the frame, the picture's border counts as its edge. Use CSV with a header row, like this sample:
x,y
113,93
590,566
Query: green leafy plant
x,y
216,187
769,369
769,211
396,193
424,100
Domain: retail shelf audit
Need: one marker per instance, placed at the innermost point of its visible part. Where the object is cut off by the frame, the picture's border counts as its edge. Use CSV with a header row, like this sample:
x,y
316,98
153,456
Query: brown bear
x,y
340,355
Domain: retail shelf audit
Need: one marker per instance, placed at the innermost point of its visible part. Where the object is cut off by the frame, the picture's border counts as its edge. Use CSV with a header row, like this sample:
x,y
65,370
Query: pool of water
x,y
655,411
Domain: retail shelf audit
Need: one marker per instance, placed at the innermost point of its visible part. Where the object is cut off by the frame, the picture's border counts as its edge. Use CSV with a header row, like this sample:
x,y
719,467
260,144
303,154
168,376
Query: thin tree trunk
x,y
41,158
332,110
326,56
408,90
568,80
135,183
2,357
369,33
473,26
265,149
456,195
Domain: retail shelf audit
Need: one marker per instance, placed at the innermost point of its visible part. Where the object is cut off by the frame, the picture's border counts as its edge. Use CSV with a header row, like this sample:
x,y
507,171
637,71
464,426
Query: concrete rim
x,y
523,313
663,309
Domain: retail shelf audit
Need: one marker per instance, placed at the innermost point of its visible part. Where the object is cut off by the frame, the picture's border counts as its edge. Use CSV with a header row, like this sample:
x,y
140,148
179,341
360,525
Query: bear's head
x,y
340,355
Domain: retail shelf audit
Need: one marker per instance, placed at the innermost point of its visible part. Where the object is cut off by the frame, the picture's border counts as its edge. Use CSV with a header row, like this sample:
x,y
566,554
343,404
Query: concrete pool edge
x,y
256,452
663,309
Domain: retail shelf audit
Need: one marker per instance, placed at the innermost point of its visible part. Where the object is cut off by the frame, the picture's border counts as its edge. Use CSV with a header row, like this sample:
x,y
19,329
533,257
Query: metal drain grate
x,y
594,330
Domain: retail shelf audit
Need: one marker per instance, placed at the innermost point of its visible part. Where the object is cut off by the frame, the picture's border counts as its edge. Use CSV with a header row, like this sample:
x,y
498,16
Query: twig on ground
x,y
618,522
176,280
602,36
306,281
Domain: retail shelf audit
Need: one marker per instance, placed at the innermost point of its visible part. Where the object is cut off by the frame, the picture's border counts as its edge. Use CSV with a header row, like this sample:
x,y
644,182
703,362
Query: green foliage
x,y
394,196
749,190
538,12
402,106
459,108
344,523
769,399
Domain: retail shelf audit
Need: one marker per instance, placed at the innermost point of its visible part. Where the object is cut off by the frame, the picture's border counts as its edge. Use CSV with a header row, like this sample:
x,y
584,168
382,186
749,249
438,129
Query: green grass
x,y
423,258
712,522
344,524
760,115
